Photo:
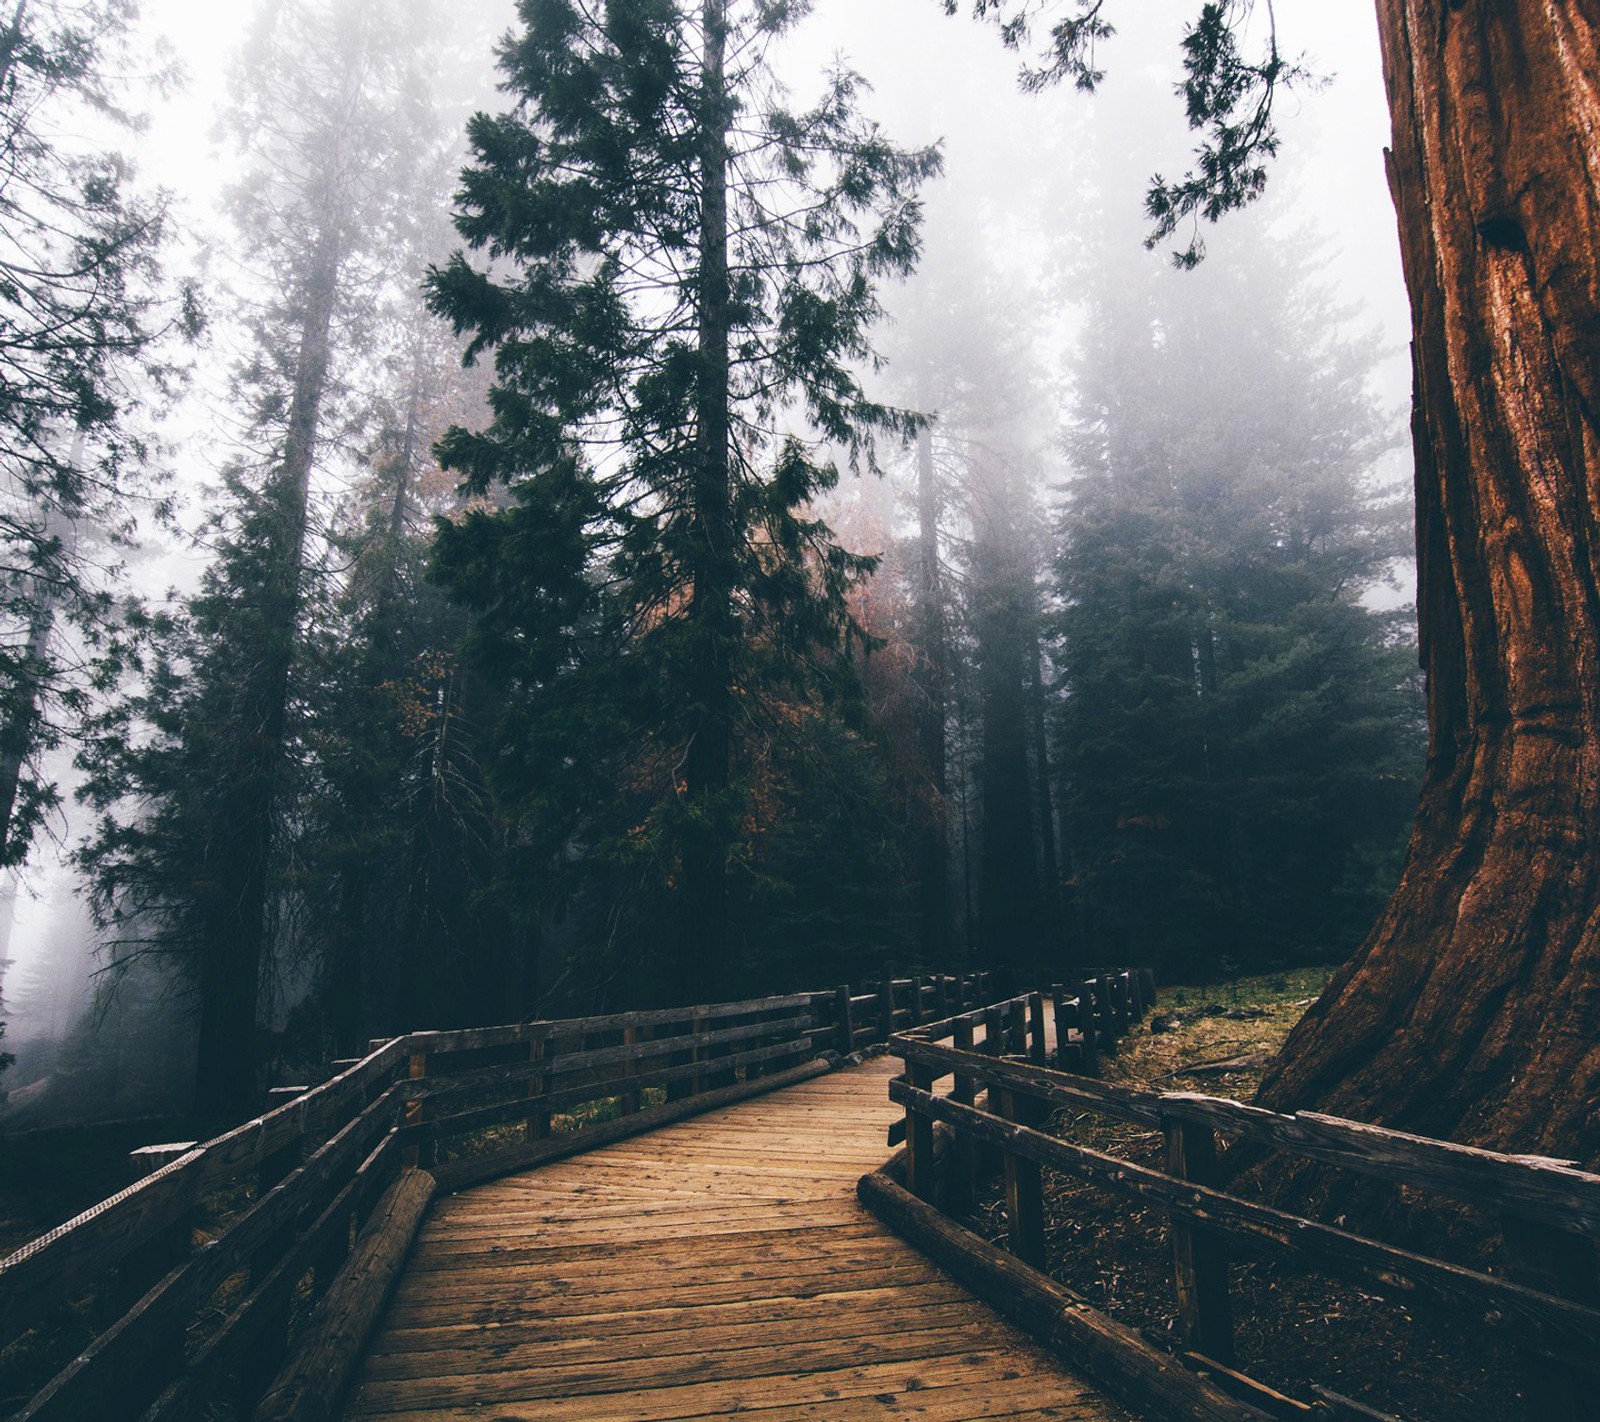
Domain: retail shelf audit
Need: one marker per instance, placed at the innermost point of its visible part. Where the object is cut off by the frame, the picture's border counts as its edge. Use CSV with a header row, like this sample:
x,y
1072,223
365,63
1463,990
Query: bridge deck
x,y
716,1267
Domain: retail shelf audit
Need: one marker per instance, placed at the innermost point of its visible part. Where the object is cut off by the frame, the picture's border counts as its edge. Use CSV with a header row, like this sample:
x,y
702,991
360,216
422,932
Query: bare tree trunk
x,y
932,680
703,906
1473,1010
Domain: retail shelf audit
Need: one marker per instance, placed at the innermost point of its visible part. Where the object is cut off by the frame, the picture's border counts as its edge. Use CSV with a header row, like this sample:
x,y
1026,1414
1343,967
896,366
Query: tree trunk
x,y
932,678
19,734
1473,1010
231,959
703,904
1008,878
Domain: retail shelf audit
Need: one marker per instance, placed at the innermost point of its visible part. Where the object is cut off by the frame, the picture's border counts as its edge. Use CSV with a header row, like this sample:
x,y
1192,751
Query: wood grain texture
x,y
719,1266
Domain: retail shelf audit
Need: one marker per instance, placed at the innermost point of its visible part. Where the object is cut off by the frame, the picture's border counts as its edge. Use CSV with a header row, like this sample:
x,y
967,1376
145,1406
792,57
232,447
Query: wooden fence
x,y
996,1106
245,1271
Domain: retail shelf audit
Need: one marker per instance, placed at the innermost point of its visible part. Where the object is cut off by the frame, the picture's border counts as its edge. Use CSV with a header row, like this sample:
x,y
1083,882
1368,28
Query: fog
x,y
1032,183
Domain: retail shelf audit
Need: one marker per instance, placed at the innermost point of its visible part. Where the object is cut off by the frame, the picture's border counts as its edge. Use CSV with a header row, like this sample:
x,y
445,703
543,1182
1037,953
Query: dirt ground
x,y
1292,1329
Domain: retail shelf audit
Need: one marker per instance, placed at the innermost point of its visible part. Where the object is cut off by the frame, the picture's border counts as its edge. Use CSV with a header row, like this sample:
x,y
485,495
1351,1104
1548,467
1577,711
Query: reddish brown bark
x,y
1473,1010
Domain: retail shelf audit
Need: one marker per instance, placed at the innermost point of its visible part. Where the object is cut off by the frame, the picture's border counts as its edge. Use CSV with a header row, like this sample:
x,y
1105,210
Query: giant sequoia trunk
x,y
1473,1010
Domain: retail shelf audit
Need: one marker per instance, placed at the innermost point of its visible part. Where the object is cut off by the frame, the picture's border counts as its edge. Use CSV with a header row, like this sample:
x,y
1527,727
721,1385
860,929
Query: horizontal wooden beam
x,y
1562,1329
1110,1354
310,1384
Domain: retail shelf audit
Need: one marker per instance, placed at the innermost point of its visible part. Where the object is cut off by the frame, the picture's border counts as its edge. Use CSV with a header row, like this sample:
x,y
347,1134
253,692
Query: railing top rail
x,y
1529,1187
945,1026
543,1029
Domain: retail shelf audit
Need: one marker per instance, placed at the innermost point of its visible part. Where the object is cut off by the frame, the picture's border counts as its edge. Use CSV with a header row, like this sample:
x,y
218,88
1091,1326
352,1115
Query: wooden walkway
x,y
717,1267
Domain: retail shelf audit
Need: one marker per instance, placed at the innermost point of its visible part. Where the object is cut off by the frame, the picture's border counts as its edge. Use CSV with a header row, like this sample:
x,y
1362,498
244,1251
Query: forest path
x,y
717,1267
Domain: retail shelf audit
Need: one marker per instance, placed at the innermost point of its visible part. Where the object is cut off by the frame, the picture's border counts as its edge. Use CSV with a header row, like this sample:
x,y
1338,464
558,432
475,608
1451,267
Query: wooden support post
x,y
628,1100
419,1154
917,986
1086,1043
919,1137
698,1029
1017,1028
961,1180
1024,1186
1199,1258
1038,1048
1121,1017
886,1009
1136,1002
1106,1018
1062,1014
994,1031
1147,990
536,1126
1567,1265
985,987
941,995
844,1041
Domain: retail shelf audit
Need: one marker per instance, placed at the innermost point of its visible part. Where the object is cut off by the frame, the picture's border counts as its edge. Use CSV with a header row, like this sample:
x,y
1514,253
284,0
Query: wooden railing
x,y
995,1108
247,1269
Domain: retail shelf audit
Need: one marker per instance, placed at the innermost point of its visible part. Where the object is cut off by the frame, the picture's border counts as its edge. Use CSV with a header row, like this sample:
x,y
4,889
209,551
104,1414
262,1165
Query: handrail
x,y
997,1107
285,1196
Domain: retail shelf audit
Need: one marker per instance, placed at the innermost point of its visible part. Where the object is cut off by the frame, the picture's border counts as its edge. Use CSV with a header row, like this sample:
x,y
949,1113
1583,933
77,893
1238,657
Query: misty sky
x,y
1011,155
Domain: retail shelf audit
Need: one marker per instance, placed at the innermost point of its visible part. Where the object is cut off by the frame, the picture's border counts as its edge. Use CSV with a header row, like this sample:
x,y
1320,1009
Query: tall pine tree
x,y
677,285
191,856
1241,727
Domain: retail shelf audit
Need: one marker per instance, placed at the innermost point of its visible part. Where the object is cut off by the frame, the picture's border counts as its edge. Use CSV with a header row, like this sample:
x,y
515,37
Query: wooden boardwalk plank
x,y
719,1266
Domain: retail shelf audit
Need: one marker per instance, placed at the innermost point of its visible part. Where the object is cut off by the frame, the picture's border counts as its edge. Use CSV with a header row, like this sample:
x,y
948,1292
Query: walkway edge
x,y
460,1174
312,1381
1109,1353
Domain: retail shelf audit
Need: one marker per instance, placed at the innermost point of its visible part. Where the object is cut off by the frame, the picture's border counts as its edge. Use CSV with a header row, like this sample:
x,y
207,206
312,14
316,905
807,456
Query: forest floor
x,y
1293,1329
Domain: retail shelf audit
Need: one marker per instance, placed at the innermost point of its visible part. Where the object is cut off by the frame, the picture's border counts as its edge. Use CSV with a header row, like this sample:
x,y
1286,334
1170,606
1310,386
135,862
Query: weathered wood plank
x,y
458,1174
755,1274
1116,1356
311,1382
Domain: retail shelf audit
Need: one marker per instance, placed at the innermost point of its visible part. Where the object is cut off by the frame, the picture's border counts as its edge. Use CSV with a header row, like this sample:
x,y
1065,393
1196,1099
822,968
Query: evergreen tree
x,y
192,858
678,266
82,314
1241,730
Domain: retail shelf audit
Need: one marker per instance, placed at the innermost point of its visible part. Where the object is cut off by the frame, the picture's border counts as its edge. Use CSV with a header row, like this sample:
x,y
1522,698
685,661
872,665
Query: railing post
x,y
919,1136
1063,1018
1554,1261
886,1008
1136,1002
1038,1049
1121,1018
424,1153
1017,1027
917,984
1088,1053
1199,1258
536,1125
1105,1015
628,1101
994,1031
697,1028
1024,1186
844,1041
963,1172
941,995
